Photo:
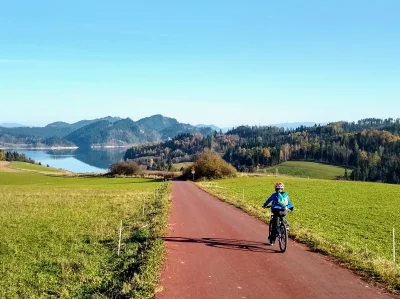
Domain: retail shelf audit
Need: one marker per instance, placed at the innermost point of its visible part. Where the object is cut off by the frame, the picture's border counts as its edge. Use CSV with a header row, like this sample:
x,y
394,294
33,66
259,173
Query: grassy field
x,y
59,236
34,167
351,221
308,170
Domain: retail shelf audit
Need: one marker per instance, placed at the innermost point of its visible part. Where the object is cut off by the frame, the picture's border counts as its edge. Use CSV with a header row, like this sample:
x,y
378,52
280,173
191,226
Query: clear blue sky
x,y
221,62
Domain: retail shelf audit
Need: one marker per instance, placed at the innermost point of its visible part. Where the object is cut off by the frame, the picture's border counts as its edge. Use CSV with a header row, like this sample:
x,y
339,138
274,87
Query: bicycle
x,y
281,231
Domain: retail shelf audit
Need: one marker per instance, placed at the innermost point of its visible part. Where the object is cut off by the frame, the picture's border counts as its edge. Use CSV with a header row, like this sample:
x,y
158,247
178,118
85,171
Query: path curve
x,y
215,250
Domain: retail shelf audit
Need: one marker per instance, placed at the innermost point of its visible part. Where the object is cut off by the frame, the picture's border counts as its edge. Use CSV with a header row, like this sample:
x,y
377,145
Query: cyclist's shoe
x,y
270,243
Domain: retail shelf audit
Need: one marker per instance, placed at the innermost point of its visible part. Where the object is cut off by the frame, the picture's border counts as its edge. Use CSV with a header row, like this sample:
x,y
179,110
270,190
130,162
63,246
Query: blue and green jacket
x,y
275,205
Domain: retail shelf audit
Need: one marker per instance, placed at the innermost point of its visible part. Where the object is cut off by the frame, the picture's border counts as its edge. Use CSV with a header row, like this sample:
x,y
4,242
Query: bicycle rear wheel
x,y
283,237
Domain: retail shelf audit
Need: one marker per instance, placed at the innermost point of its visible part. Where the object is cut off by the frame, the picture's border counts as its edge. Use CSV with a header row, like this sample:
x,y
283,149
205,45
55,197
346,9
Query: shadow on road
x,y
232,244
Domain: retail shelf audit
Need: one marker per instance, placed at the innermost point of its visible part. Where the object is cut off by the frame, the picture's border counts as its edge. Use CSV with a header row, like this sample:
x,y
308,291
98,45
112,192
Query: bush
x,y
125,168
210,165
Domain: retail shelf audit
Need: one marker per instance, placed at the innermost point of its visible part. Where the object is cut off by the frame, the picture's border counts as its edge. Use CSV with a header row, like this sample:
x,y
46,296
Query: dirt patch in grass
x,y
4,167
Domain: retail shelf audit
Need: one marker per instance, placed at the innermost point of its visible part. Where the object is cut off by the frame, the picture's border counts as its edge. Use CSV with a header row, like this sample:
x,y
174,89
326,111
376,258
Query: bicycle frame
x,y
281,232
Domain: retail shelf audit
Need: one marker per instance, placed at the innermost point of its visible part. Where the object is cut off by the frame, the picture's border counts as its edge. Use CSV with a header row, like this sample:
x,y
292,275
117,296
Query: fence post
x,y
120,237
394,246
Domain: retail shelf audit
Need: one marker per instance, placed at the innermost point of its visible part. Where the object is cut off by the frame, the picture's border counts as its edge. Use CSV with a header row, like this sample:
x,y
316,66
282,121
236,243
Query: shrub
x,y
125,168
210,165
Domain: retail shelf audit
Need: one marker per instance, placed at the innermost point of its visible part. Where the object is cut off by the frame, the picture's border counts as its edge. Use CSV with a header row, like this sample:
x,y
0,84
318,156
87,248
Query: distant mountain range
x,y
107,131
296,125
293,125
215,128
82,123
11,125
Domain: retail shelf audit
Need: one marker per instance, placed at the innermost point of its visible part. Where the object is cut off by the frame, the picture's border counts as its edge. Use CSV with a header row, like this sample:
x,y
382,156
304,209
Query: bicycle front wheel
x,y
283,237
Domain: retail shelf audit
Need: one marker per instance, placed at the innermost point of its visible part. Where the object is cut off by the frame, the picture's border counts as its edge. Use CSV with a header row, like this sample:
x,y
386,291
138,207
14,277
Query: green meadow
x,y
308,170
59,236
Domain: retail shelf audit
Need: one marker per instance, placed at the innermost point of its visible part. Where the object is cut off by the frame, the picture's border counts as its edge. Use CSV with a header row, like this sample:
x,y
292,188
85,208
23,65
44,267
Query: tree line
x,y
14,156
370,147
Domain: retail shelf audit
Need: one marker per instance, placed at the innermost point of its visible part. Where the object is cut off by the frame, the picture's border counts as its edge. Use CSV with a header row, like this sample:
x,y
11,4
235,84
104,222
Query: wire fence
x,y
148,199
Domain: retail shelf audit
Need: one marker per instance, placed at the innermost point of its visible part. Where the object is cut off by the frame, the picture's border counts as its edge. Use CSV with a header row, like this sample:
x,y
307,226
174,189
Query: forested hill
x,y
124,131
371,147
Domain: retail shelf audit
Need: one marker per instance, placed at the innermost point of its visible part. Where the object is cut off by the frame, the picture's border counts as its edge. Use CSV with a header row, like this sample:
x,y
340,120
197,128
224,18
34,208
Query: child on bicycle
x,y
280,203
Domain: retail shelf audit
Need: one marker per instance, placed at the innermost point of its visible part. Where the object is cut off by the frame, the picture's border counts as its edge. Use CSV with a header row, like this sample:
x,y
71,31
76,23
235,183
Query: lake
x,y
81,160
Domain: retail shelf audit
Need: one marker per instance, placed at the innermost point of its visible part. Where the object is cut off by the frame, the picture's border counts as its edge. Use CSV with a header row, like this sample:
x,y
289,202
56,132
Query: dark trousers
x,y
276,214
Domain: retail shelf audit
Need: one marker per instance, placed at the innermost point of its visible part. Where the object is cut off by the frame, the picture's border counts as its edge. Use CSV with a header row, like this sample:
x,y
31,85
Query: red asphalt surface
x,y
215,250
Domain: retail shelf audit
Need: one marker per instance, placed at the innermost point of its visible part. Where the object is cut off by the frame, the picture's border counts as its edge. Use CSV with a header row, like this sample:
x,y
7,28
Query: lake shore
x,y
41,148
10,148
82,160
111,146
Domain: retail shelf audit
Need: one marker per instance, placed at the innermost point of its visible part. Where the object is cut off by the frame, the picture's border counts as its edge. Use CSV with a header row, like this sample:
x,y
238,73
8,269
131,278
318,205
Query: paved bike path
x,y
214,250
